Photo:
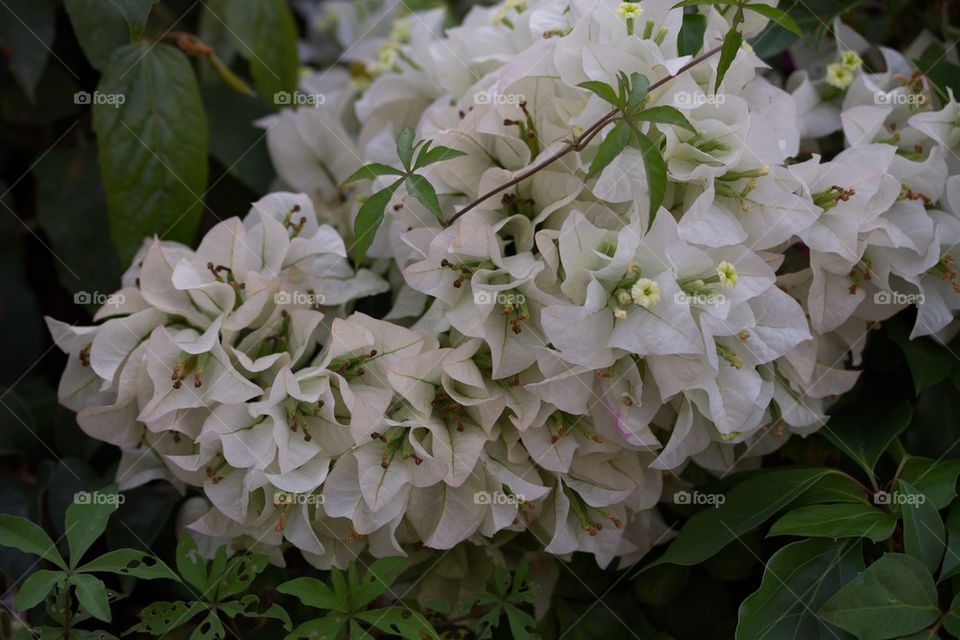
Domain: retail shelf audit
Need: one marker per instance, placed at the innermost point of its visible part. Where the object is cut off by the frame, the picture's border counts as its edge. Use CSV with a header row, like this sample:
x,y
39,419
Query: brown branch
x,y
581,142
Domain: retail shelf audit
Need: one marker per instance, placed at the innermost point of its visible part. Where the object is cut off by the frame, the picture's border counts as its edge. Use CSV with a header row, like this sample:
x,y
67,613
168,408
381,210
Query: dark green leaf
x,y
405,147
371,171
158,618
240,572
379,576
26,29
368,221
100,29
421,189
235,142
24,535
836,521
694,3
893,597
778,16
191,564
951,622
92,595
314,593
604,91
656,170
951,559
638,89
135,12
130,562
87,519
615,142
798,579
210,628
522,624
729,50
924,536
153,147
747,505
399,621
690,38
665,115
266,35
943,73
35,588
328,627
865,431
936,479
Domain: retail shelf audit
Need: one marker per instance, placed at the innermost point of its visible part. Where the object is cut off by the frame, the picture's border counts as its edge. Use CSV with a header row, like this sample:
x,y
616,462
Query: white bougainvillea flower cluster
x,y
560,352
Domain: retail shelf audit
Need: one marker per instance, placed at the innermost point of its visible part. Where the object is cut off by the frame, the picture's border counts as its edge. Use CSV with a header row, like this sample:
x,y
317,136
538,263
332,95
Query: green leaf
x,y
729,50
951,621
130,562
379,577
35,588
522,624
656,170
923,532
240,572
92,595
951,558
266,36
368,221
153,147
604,91
24,535
405,147
428,156
936,479
893,597
639,86
421,189
87,519
27,30
371,171
797,581
690,38
665,115
158,618
314,593
929,361
190,564
328,627
694,3
611,146
836,521
234,141
943,73
210,628
747,506
248,607
135,12
778,16
99,28
864,432
399,621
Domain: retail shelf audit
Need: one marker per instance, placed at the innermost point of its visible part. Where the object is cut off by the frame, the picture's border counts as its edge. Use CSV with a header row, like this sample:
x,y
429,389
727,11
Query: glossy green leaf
x,y
266,36
421,189
665,115
611,146
153,147
428,156
371,171
35,588
924,536
405,147
936,479
24,535
690,38
798,580
728,52
27,29
603,90
92,595
778,16
100,28
951,621
130,562
368,221
656,171
314,593
135,12
639,86
836,521
892,597
864,432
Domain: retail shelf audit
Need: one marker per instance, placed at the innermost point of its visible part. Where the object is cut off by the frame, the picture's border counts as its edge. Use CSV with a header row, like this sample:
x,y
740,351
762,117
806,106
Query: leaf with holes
x,y
239,573
130,562
399,621
35,588
159,618
190,564
377,580
328,627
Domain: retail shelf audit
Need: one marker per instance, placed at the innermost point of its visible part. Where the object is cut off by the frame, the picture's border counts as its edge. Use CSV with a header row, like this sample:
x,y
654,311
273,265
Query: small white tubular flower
x,y
645,293
630,10
839,75
727,274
